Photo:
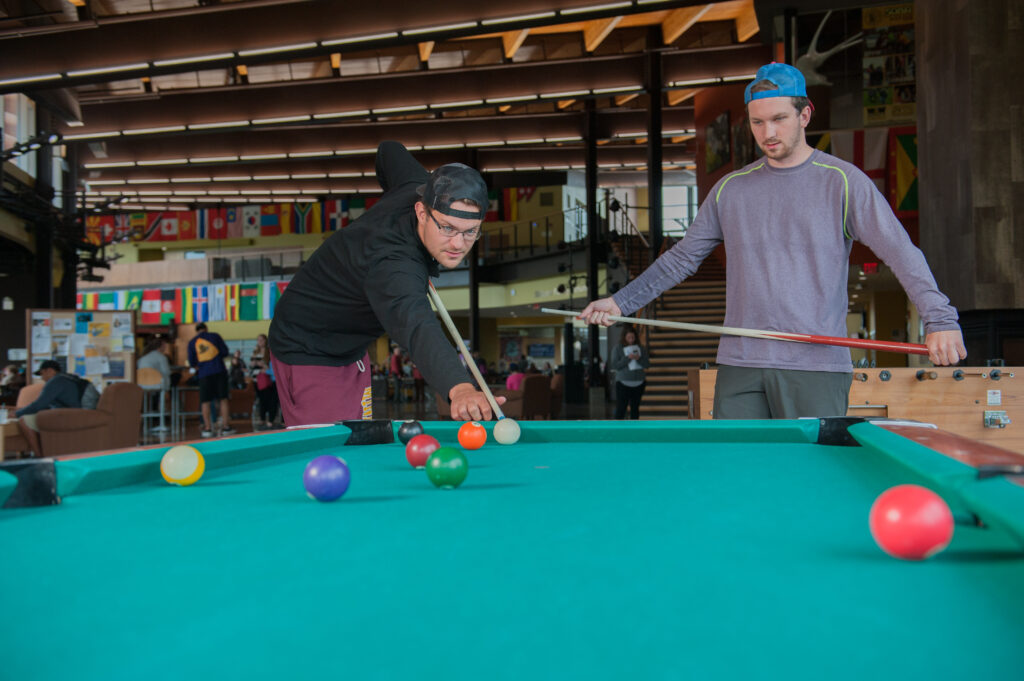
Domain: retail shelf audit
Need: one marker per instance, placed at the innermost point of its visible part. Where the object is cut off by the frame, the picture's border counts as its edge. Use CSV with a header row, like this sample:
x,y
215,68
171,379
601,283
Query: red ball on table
x,y
419,449
911,522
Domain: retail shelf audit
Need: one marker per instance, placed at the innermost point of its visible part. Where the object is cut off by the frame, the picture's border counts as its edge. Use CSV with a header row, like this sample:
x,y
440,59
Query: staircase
x,y
698,300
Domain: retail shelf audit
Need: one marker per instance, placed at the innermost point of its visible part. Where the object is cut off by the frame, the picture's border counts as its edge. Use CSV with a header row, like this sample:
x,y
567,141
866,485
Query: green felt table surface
x,y
590,550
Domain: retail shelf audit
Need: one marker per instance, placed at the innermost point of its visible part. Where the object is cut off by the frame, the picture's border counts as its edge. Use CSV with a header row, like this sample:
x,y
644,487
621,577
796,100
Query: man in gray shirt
x,y
788,222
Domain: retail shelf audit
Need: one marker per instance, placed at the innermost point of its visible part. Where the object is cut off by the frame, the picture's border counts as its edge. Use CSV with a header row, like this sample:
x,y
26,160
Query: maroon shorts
x,y
319,394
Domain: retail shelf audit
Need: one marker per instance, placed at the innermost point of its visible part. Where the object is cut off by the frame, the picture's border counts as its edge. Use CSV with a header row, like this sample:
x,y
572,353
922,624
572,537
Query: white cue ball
x,y
506,431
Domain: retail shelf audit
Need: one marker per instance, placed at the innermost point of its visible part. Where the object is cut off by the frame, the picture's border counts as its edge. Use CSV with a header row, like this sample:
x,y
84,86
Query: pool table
x,y
589,550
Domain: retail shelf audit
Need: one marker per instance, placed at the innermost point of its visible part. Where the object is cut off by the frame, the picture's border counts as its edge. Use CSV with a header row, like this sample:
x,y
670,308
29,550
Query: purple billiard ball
x,y
326,478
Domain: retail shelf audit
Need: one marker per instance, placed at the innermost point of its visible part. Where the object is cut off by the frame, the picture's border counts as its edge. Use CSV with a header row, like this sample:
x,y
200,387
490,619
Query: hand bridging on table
x,y
469,404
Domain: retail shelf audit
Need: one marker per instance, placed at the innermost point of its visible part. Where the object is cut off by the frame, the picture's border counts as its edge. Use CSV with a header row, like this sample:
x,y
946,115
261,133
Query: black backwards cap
x,y
47,364
455,182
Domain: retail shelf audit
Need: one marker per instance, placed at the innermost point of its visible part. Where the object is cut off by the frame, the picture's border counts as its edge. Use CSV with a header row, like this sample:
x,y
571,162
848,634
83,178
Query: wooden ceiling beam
x,y
746,23
512,40
594,32
681,20
679,96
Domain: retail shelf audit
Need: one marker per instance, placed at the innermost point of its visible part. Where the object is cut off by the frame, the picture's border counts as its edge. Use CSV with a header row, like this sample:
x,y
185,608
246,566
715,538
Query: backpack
x,y
88,395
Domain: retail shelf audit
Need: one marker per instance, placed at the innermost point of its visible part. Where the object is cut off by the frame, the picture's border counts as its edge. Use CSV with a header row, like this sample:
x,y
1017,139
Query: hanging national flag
x,y
138,226
218,306
270,219
186,307
268,299
151,306
186,224
122,226
212,223
78,301
200,304
509,204
306,218
169,226
120,300
170,306
250,221
134,301
90,301
335,216
903,171
281,286
232,302
233,218
248,302
99,229
356,208
371,201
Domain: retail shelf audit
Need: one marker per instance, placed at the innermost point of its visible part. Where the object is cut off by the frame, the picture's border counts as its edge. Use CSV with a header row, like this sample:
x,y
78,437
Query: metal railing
x,y
536,236
256,265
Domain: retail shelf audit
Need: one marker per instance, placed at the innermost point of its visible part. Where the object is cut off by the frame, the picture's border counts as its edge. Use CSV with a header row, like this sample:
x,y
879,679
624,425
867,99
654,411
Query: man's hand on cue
x,y
597,312
469,404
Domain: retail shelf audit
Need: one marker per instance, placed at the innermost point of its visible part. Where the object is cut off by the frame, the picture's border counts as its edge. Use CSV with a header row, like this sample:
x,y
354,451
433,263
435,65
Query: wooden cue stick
x,y
885,346
462,348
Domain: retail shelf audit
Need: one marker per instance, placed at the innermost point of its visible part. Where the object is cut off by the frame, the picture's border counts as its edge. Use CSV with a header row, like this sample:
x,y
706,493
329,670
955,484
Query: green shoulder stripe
x,y
718,194
846,193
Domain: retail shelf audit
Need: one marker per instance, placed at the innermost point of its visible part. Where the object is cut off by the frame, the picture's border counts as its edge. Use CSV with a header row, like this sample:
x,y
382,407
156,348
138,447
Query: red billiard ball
x,y
472,435
419,450
911,522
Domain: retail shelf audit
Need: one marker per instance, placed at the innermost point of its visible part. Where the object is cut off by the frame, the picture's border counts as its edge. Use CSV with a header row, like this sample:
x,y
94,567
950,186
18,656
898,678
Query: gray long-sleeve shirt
x,y
788,233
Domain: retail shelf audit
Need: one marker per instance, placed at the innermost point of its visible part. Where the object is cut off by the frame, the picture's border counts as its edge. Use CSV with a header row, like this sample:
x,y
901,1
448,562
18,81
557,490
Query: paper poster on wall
x,y
99,329
97,366
63,324
121,324
41,333
61,345
76,346
115,370
82,320
79,365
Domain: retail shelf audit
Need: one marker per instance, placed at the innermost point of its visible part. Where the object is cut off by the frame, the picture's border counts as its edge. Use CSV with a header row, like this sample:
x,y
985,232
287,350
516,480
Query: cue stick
x,y
885,346
470,362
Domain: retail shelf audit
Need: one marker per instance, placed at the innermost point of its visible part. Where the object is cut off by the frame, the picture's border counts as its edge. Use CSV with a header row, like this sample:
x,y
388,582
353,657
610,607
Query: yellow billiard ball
x,y
182,465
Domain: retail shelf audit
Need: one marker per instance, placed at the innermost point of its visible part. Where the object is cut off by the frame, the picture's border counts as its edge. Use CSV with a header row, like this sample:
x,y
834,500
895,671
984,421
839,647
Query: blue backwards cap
x,y
787,78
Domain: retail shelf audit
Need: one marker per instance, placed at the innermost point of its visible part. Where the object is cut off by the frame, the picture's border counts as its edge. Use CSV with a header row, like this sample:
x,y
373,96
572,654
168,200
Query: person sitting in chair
x,y
61,390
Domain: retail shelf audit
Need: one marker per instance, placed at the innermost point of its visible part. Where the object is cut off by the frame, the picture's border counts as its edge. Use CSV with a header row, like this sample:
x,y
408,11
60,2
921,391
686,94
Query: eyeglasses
x,y
449,232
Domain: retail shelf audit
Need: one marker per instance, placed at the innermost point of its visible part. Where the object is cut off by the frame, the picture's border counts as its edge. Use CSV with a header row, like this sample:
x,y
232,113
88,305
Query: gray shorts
x,y
750,393
30,421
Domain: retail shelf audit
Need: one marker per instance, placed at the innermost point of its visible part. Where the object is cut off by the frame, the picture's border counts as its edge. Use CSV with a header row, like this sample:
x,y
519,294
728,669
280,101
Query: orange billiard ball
x,y
472,435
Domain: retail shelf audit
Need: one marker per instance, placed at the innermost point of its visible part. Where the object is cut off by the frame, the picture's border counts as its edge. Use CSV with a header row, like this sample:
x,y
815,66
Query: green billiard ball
x,y
447,468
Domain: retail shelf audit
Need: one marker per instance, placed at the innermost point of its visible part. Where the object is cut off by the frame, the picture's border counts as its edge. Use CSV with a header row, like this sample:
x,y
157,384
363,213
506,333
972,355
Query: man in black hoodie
x,y
370,278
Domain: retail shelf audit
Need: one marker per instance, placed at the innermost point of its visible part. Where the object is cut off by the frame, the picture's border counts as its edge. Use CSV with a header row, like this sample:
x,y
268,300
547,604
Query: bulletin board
x,y
98,345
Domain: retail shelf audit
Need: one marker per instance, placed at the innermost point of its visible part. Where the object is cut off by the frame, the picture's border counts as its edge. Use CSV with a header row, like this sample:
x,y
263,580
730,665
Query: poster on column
x,y
889,64
41,333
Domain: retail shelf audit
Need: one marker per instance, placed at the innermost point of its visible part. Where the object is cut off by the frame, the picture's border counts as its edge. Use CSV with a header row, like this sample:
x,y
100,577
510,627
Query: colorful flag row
x,y
193,304
246,221
227,223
